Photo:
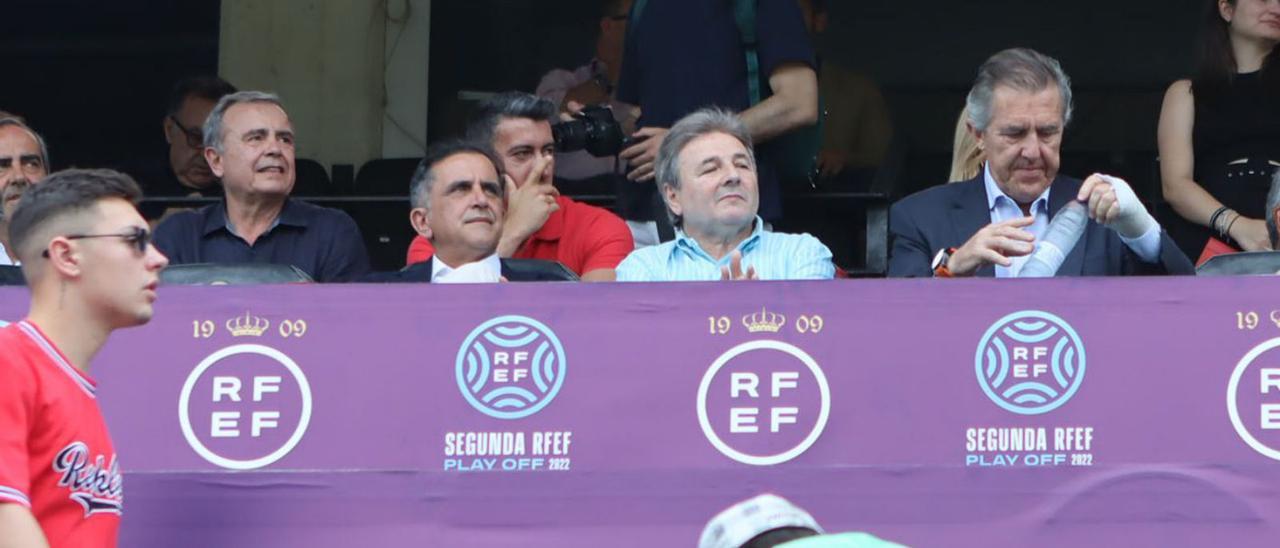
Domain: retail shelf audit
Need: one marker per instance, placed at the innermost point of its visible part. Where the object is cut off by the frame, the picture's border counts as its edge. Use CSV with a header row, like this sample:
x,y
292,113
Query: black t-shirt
x,y
682,55
158,181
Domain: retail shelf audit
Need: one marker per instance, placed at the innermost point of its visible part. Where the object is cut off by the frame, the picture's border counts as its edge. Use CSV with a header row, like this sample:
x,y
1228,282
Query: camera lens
x,y
592,129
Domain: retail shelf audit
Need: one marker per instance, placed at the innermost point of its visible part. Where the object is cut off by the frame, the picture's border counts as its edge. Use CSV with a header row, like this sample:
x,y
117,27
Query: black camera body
x,y
592,129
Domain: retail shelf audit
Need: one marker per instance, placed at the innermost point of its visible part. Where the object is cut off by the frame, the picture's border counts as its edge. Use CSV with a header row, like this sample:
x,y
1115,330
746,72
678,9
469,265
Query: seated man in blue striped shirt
x,y
707,174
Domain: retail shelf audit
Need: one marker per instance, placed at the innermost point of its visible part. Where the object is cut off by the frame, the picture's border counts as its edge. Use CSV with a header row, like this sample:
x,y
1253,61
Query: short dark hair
x,y
66,192
204,86
509,104
1217,65
424,175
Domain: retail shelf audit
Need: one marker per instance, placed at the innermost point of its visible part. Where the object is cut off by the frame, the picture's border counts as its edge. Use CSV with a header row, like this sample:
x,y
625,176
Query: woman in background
x,y
966,157
1219,134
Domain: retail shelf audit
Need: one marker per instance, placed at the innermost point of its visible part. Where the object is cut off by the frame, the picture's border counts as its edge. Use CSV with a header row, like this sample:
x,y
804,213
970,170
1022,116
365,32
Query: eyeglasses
x,y
195,139
137,236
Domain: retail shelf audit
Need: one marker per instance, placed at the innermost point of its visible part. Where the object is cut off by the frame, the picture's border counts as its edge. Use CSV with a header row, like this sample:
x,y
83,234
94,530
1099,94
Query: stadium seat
x,y
312,179
11,275
545,269
1263,263
232,274
385,224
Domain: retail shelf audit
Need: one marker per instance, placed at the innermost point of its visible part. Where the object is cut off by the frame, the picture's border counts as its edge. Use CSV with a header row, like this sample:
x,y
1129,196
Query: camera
x,y
592,129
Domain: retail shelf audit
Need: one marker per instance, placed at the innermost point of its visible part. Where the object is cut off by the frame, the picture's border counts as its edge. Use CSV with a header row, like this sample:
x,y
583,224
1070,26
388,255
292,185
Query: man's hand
x,y
994,244
1251,234
1113,204
734,270
528,207
642,155
831,162
586,93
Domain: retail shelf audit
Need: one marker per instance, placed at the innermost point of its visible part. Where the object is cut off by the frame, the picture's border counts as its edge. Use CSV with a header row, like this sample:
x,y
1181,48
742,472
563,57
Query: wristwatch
x,y
940,260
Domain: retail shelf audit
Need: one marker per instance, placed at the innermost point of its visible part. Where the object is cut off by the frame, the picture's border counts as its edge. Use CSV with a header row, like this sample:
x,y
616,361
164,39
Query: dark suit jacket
x,y
947,216
514,270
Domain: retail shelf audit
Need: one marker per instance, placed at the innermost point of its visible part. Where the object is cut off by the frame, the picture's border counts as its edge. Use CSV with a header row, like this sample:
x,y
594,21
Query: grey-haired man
x,y
1018,110
249,144
24,160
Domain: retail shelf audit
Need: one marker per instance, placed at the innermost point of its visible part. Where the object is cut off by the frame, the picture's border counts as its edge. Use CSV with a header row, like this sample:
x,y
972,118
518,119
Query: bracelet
x,y
1226,233
1213,219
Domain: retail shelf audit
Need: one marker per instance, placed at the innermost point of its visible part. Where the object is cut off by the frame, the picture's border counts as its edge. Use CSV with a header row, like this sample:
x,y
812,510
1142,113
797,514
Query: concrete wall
x,y
404,126
352,73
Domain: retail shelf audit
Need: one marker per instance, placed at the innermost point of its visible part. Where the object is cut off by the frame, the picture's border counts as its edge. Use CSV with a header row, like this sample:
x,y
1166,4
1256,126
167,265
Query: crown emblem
x,y
764,321
247,326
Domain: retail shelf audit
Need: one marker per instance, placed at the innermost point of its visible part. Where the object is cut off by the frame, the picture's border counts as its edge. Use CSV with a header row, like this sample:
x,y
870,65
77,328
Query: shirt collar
x,y
439,268
994,194
216,217
687,243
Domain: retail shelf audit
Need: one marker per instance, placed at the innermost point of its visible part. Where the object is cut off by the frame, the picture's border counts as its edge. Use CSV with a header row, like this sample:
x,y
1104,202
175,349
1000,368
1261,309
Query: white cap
x,y
748,519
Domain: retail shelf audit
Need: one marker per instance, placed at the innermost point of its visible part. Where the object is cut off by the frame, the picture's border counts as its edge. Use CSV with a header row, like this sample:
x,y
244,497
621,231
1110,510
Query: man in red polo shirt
x,y
541,224
87,257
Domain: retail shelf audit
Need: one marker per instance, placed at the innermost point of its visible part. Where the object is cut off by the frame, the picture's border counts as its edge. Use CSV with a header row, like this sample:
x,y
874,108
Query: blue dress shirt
x,y
774,256
325,243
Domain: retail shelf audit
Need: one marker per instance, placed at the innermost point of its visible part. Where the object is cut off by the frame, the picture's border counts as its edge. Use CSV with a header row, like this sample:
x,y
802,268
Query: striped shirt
x,y
774,256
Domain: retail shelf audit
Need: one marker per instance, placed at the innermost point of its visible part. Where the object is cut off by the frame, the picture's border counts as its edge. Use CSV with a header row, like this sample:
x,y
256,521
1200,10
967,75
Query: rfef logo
x,y
1253,398
510,367
763,402
245,406
1030,362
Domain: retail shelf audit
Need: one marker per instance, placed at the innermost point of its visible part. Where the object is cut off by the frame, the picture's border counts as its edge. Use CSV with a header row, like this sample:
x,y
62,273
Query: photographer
x,y
593,84
681,56
540,223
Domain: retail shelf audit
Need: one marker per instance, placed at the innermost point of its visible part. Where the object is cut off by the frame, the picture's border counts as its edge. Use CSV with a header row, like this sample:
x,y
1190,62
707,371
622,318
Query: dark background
x,y
93,76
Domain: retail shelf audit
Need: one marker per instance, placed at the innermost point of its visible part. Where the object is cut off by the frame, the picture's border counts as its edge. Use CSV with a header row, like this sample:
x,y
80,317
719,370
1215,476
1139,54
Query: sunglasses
x,y
136,236
195,139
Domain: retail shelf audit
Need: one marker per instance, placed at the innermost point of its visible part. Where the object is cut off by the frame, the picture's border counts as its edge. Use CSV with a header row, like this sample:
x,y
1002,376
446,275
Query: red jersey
x,y
56,456
581,236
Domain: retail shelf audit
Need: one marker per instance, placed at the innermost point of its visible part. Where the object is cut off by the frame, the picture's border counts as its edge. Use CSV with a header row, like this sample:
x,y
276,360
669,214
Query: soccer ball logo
x,y
1030,362
510,367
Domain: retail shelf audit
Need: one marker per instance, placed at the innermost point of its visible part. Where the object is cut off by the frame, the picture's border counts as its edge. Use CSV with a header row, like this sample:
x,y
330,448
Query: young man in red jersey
x,y
87,258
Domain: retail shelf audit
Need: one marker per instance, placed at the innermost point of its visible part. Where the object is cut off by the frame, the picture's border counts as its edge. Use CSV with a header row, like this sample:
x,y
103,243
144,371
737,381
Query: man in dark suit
x,y
459,203
988,226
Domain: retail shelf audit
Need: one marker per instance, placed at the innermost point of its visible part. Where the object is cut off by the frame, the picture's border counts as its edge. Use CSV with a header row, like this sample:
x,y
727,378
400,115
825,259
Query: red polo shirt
x,y
582,237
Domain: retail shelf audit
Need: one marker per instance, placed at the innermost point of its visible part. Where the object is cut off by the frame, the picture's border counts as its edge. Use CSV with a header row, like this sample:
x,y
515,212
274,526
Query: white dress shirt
x,y
486,270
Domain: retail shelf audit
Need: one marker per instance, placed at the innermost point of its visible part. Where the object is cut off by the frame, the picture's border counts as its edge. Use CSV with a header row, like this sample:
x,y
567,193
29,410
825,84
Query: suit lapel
x,y
969,213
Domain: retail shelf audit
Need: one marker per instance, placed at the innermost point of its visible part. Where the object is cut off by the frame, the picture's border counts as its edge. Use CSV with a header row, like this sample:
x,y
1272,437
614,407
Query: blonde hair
x,y
966,157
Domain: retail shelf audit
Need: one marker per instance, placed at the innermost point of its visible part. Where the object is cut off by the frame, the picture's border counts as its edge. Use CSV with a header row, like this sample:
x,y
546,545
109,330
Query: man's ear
x,y
418,219
669,196
214,160
63,257
165,125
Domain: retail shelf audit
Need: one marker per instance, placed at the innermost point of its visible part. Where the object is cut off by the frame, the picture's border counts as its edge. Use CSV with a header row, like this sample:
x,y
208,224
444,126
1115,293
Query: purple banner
x,y
967,412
